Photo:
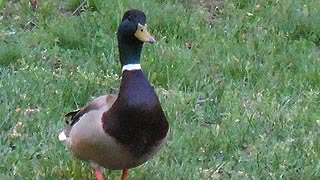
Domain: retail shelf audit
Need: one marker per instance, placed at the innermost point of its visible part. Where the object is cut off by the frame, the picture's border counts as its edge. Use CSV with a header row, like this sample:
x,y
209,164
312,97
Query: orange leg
x,y
124,174
99,174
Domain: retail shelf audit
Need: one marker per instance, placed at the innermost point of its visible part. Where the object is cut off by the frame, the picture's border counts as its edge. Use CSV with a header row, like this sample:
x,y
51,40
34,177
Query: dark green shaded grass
x,y
244,99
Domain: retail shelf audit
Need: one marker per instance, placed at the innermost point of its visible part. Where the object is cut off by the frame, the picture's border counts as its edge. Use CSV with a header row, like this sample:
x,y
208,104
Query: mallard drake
x,y
125,130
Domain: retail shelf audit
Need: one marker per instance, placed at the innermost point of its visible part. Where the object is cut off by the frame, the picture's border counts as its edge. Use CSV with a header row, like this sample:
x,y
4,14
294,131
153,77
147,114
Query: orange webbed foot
x,y
125,173
99,174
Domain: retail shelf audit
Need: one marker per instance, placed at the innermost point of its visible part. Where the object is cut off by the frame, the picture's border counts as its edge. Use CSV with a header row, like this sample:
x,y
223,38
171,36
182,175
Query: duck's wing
x,y
105,101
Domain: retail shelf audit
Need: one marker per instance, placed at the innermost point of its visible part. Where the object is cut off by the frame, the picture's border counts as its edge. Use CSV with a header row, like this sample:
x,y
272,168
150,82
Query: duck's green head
x,y
132,33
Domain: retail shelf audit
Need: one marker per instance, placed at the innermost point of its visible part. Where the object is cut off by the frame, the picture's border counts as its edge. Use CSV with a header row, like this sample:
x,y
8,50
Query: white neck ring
x,y
131,67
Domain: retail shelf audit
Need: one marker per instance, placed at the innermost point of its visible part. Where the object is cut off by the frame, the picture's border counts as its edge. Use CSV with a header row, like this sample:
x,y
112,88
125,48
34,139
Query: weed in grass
x,y
9,53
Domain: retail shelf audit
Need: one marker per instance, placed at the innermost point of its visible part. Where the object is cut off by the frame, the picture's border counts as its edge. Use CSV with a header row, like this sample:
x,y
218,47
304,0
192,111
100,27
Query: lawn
x,y
238,79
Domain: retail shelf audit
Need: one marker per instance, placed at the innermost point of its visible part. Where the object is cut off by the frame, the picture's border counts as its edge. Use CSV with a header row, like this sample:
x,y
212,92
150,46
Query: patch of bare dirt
x,y
214,7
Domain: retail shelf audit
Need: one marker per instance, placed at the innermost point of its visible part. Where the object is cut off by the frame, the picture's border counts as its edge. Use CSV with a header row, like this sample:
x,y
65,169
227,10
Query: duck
x,y
122,131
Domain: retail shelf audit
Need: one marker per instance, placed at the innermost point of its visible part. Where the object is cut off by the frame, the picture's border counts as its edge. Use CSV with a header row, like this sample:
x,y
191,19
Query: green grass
x,y
243,102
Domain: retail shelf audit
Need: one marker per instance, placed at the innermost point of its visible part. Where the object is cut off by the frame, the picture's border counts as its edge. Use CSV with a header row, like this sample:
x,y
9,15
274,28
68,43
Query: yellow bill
x,y
143,35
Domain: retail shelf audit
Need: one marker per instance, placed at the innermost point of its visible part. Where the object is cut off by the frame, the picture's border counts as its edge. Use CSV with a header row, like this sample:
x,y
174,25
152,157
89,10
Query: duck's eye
x,y
141,28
